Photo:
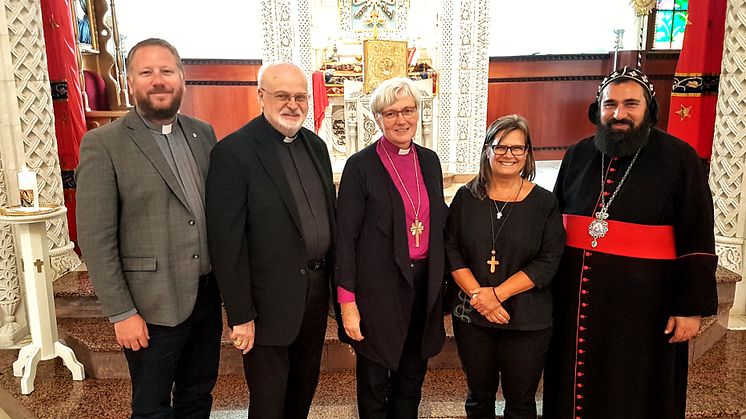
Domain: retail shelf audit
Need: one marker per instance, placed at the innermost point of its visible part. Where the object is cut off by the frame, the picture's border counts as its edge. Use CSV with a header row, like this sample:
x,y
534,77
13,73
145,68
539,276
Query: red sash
x,y
623,239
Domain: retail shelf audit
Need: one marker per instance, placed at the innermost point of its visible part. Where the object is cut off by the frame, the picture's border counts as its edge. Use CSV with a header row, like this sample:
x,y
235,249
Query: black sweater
x,y
531,241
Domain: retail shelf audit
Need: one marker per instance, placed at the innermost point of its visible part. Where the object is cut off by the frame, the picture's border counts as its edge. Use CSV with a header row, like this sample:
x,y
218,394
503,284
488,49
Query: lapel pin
x,y
194,134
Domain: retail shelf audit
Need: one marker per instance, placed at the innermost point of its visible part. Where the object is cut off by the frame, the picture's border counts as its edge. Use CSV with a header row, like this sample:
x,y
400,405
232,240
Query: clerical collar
x,y
278,135
156,127
392,148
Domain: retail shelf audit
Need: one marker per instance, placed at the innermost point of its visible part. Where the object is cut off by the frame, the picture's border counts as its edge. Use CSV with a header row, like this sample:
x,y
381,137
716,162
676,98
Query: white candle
x,y
29,189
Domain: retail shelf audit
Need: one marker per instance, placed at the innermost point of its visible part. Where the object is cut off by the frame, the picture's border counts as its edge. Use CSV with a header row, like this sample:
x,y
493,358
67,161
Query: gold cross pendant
x,y
493,262
417,228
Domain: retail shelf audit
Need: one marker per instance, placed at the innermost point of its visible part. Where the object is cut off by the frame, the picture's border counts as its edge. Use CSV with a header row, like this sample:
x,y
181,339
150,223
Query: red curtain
x,y
320,99
69,117
695,87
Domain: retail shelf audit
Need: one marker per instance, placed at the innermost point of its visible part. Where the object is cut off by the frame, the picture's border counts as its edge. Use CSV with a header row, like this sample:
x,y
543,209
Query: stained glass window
x,y
670,23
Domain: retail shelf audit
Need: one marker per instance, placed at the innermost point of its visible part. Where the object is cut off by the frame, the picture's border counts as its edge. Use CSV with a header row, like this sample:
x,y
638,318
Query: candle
x,y
28,188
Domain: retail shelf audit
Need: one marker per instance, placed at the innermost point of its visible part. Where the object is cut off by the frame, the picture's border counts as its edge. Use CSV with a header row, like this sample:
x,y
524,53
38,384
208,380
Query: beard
x,y
616,143
289,126
286,127
159,113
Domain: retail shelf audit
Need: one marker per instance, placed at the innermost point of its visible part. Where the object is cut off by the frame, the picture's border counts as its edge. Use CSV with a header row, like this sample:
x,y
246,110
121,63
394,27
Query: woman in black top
x,y
504,239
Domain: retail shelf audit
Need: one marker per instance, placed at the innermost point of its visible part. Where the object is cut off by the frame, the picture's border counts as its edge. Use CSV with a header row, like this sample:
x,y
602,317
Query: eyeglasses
x,y
283,97
406,112
516,150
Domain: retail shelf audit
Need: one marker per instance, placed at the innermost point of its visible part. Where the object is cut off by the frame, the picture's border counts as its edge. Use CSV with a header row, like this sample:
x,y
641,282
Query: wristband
x,y
496,297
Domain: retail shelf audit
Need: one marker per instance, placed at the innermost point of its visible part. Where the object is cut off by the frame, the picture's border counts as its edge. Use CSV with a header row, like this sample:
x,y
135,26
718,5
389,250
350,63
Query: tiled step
x,y
713,328
82,325
94,343
92,337
443,395
716,389
74,296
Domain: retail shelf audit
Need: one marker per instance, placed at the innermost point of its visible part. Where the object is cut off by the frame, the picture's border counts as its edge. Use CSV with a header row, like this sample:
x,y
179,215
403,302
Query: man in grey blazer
x,y
142,231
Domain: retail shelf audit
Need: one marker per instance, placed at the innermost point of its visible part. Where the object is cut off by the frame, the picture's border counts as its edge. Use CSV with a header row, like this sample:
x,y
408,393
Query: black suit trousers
x,y
182,360
282,379
492,357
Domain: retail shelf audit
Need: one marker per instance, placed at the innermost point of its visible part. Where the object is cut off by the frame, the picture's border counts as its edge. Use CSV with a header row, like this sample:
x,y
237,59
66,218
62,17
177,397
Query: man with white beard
x,y
270,221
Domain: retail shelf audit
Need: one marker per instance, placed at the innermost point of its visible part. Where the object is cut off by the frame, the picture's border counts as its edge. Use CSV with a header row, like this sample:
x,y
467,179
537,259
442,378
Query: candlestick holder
x,y
37,276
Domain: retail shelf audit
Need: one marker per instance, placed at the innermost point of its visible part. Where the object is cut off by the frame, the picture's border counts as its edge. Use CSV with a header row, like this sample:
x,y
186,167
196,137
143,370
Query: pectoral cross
x,y
493,262
417,228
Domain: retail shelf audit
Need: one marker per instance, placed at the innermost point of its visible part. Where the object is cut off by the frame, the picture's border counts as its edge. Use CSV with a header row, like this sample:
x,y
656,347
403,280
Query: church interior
x,y
63,72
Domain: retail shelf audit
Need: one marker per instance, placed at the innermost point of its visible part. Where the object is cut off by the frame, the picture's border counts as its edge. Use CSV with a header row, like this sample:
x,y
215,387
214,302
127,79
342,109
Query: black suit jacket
x,y
254,231
373,255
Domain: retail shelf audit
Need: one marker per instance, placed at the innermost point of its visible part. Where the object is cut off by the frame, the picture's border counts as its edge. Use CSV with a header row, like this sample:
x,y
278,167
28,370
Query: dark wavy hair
x,y
479,186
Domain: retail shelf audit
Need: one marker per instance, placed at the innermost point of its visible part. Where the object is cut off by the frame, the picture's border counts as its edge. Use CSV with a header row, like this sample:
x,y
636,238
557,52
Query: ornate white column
x,y
286,25
464,66
27,137
14,318
729,150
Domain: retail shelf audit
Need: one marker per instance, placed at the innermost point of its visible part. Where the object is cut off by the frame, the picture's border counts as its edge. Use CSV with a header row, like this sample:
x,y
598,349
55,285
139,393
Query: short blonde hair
x,y
392,90
153,42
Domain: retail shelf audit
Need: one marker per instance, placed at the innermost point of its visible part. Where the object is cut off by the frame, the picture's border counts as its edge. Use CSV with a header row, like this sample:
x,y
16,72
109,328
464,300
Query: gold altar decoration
x,y
371,13
16,211
643,7
383,60
375,21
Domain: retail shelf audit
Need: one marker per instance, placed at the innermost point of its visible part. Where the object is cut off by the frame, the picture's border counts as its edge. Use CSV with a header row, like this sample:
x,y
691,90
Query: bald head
x,y
274,73
283,95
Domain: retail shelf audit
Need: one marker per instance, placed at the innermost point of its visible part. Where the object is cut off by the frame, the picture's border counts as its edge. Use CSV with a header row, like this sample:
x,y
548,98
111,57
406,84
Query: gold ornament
x,y
684,112
383,60
643,7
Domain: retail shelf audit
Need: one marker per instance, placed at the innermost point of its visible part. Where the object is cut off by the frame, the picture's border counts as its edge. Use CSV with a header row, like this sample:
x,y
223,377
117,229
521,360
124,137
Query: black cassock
x,y
609,356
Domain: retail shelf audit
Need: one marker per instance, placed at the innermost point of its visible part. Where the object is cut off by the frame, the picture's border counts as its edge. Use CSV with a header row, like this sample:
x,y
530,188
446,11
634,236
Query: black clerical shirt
x,y
308,194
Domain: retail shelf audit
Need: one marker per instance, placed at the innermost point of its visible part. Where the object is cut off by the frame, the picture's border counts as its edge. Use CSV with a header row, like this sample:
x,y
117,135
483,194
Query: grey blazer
x,y
135,229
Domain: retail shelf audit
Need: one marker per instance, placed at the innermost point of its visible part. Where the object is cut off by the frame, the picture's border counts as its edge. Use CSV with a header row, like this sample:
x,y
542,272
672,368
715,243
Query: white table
x,y
37,277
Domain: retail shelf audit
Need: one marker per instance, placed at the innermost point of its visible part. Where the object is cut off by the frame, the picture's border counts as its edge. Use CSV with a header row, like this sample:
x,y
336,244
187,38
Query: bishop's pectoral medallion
x,y
598,227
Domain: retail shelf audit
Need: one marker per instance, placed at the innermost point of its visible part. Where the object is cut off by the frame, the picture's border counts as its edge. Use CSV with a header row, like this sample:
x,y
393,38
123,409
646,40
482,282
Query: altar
x,y
348,125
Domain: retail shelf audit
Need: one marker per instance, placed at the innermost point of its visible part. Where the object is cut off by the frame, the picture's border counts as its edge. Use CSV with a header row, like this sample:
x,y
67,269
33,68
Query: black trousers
x,y
383,393
282,379
489,355
182,360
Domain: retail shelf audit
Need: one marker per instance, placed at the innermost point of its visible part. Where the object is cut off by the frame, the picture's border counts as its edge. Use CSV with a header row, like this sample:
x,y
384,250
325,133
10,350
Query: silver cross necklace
x,y
492,261
505,204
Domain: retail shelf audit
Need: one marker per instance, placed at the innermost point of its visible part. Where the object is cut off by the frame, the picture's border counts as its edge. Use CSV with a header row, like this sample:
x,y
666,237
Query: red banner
x,y
695,86
69,116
